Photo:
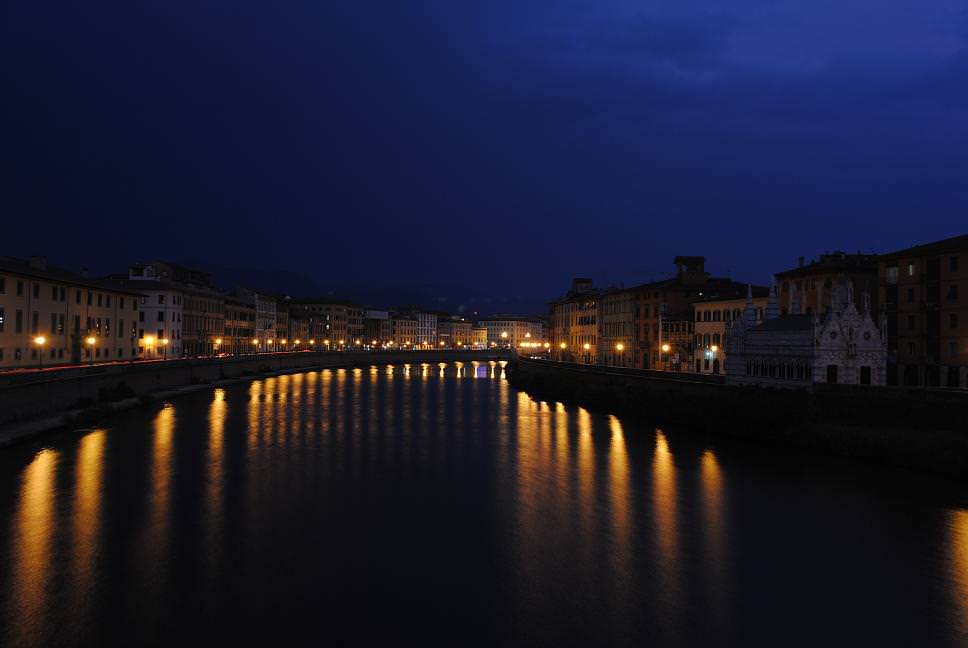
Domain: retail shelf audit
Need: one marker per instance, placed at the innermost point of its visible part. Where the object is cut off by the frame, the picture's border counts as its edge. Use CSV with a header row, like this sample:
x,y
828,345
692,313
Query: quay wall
x,y
28,395
922,429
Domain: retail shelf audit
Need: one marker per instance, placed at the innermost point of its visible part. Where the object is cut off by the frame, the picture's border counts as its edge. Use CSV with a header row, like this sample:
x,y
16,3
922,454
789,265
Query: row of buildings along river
x,y
897,319
157,310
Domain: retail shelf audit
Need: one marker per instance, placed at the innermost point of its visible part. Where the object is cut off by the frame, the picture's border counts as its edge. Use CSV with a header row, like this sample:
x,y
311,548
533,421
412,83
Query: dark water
x,y
436,504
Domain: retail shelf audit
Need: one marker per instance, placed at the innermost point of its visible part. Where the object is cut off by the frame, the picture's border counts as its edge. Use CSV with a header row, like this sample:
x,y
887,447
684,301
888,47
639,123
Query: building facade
x,y
712,315
512,331
616,330
924,294
240,332
841,346
53,316
811,284
573,323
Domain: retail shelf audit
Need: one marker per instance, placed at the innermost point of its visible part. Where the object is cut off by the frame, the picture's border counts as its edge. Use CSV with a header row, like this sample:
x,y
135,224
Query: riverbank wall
x,y
921,429
33,402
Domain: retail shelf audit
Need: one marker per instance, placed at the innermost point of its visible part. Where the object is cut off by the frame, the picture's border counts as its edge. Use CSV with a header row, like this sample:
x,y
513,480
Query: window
x,y
3,285
107,301
161,316
63,294
77,297
910,295
953,320
953,264
161,299
90,297
865,375
53,293
910,321
53,322
36,290
34,321
952,347
3,320
141,316
100,300
912,348
910,269
953,292
20,293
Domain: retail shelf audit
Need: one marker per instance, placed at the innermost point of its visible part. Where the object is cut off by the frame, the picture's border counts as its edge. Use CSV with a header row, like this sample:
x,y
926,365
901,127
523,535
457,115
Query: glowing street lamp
x,y
149,342
620,347
255,343
40,341
714,348
90,341
164,345
218,343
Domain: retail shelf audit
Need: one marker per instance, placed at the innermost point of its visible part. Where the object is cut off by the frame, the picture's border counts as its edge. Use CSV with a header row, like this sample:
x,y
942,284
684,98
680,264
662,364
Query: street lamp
x,y
218,343
255,343
149,342
40,341
164,344
665,349
90,341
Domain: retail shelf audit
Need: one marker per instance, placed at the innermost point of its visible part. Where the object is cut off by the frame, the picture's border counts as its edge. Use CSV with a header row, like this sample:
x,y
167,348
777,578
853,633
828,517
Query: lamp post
x,y
90,340
664,349
255,343
218,343
620,348
562,346
149,342
40,341
164,345
504,338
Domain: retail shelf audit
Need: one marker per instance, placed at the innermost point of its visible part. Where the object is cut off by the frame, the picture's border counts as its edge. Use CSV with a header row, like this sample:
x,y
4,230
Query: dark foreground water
x,y
437,504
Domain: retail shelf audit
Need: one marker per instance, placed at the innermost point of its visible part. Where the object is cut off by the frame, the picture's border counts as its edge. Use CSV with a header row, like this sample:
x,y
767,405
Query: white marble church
x,y
843,345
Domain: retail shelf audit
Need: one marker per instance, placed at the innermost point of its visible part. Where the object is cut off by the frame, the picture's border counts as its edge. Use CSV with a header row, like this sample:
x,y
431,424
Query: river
x,y
436,504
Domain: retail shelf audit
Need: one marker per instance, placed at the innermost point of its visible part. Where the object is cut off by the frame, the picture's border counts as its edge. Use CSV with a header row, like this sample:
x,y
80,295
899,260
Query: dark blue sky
x,y
481,147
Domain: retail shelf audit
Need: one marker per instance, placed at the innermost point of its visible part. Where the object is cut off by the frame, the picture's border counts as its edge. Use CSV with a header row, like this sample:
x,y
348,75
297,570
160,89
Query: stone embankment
x,y
922,429
36,402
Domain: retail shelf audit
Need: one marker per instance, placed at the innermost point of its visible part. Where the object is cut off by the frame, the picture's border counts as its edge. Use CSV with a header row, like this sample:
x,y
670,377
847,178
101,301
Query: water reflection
x,y
87,514
441,487
34,526
958,552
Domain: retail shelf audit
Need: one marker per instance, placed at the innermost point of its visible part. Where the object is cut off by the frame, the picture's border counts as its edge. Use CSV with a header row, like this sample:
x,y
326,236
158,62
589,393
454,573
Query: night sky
x,y
460,149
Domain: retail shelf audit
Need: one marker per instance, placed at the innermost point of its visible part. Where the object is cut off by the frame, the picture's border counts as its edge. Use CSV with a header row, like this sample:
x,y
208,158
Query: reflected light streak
x,y
664,500
958,551
33,535
87,509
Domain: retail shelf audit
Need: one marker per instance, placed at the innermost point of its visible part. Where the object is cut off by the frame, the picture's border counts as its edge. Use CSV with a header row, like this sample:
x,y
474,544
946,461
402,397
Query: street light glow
x,y
665,348
91,340
40,340
714,348
619,347
563,345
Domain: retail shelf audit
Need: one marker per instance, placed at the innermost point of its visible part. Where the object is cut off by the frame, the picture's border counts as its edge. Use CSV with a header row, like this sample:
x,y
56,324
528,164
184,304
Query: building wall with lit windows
x,y
65,310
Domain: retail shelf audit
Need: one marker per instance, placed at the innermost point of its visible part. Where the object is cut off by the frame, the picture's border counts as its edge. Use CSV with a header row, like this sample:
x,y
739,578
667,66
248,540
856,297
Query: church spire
x,y
749,312
772,309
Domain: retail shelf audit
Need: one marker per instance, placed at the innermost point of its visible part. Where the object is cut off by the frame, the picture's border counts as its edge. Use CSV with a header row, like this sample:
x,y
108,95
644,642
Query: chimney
x,y
38,262
801,261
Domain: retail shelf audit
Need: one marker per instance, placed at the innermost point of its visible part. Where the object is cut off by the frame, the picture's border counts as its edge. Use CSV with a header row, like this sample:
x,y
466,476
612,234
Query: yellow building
x,y
54,316
713,314
574,324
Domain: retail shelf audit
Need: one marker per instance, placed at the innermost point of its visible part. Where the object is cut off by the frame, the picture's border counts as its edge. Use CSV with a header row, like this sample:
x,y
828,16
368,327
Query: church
x,y
842,345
